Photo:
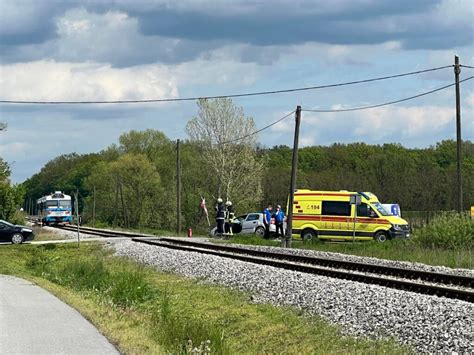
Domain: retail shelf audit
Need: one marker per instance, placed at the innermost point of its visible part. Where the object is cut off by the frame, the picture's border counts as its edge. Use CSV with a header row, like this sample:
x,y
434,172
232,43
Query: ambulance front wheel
x,y
381,237
308,235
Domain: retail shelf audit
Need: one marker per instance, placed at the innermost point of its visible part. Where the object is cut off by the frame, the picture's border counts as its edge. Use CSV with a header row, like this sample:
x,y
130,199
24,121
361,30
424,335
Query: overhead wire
x,y
258,93
349,109
466,66
386,103
257,131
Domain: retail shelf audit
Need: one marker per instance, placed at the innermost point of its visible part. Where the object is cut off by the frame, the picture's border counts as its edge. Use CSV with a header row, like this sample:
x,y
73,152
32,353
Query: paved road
x,y
33,321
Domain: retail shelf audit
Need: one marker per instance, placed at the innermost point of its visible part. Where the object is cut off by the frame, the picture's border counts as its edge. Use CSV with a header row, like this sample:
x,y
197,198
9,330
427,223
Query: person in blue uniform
x,y
267,218
279,216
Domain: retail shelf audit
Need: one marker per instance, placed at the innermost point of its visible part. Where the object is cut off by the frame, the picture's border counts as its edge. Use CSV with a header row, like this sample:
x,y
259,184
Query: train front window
x,y
65,203
51,203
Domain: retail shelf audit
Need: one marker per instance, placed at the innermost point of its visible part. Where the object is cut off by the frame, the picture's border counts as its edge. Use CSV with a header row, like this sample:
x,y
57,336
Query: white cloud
x,y
407,122
470,100
53,81
415,126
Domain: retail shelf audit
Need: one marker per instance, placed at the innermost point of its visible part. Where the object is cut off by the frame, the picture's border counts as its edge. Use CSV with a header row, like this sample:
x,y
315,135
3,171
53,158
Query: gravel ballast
x,y
66,234
429,323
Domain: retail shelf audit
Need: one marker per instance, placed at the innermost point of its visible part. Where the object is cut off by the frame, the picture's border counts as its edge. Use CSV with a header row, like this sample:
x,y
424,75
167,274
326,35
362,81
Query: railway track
x,y
426,282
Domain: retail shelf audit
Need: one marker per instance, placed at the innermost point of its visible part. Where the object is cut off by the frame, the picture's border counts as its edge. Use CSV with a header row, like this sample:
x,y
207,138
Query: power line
x,y
225,96
466,66
390,102
348,109
258,131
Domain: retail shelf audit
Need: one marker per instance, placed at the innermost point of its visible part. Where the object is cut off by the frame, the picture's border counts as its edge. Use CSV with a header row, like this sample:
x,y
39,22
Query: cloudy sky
x,y
55,50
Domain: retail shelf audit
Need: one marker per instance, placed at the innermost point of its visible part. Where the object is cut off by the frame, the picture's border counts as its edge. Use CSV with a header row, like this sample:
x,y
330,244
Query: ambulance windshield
x,y
378,206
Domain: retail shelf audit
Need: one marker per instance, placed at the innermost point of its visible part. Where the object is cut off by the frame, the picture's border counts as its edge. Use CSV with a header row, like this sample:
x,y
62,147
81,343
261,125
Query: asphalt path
x,y
33,321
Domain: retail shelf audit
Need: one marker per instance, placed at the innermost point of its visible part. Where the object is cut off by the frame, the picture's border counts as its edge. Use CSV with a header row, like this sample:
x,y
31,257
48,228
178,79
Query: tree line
x,y
11,196
135,179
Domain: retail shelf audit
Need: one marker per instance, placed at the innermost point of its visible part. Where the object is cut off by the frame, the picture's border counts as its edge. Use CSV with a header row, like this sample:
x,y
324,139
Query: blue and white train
x,y
54,208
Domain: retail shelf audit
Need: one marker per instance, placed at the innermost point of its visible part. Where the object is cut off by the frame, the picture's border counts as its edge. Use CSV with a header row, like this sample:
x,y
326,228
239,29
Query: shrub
x,y
18,217
449,230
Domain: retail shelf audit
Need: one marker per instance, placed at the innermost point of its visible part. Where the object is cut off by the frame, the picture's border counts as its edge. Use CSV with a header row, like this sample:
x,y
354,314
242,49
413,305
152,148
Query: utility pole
x,y
93,209
286,243
178,188
76,207
457,71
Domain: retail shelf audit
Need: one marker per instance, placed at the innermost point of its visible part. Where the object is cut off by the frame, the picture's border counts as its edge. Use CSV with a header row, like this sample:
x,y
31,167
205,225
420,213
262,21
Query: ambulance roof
x,y
369,196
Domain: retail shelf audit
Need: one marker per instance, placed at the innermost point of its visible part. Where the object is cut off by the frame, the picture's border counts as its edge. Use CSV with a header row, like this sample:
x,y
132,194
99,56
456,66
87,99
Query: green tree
x,y
128,192
11,196
234,170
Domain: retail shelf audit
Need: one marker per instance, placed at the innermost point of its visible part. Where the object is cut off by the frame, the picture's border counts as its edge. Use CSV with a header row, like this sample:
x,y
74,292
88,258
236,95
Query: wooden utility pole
x,y
93,209
286,243
76,207
457,71
178,188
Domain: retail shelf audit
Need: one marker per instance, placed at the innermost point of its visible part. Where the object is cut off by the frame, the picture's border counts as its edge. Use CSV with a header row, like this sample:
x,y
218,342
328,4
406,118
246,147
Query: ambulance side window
x,y
336,208
363,210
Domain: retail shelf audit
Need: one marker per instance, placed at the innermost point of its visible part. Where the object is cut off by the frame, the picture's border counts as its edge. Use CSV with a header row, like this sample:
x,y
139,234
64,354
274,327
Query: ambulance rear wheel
x,y
381,237
308,235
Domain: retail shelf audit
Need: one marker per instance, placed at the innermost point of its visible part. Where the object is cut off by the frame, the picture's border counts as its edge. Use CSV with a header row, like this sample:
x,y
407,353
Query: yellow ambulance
x,y
330,215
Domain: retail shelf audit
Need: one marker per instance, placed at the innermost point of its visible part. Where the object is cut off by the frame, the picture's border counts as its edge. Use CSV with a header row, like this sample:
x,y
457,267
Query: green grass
x,y
406,250
144,311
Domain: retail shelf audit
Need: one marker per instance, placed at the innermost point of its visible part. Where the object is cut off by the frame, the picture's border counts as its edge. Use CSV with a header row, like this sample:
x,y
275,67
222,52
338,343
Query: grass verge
x,y
144,311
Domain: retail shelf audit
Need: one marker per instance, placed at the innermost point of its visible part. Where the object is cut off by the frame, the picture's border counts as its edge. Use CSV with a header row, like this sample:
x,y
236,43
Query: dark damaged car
x,y
15,234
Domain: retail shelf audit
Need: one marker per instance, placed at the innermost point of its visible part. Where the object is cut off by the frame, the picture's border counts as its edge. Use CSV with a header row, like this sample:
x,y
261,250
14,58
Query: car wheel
x,y
381,237
260,231
308,235
17,238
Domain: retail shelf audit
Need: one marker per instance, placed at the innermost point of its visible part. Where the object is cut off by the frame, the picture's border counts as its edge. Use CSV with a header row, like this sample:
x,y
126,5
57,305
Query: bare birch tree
x,y
236,170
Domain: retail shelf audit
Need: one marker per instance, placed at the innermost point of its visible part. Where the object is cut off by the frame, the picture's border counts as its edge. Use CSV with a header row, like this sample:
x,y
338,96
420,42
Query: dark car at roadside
x,y
15,234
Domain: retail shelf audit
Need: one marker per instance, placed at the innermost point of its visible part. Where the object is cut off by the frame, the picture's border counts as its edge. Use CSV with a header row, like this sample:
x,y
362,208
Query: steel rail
x,y
429,289
429,276
348,270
